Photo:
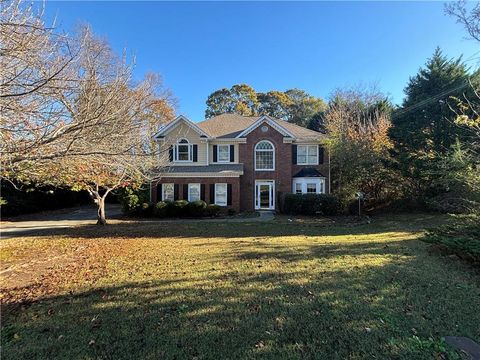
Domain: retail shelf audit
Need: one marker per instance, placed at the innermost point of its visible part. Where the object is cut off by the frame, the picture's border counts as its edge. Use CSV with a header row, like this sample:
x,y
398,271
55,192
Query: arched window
x,y
183,150
264,156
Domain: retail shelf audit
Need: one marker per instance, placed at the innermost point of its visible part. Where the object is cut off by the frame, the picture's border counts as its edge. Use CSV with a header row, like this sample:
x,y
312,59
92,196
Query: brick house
x,y
239,162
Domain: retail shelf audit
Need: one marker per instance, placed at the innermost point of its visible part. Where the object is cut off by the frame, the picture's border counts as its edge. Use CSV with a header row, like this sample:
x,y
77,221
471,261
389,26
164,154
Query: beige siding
x,y
210,147
183,131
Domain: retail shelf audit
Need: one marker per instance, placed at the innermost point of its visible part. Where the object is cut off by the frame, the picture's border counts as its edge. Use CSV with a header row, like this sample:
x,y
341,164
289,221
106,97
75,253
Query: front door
x,y
264,195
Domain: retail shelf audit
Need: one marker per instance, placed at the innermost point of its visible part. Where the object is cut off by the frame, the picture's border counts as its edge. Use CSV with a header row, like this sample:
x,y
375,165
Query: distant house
x,y
239,162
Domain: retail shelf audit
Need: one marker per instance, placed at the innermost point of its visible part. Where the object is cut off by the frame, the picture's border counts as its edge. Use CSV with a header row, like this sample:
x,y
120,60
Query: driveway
x,y
65,218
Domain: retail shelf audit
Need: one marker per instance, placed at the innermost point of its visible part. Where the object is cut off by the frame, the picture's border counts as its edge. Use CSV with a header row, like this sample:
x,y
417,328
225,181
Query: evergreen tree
x,y
423,127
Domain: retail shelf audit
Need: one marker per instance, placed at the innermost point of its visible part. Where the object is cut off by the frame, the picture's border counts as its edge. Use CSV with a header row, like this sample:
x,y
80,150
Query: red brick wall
x,y
207,181
284,169
283,166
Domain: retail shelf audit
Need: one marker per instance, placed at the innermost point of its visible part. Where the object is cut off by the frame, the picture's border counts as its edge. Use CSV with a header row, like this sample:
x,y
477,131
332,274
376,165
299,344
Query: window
x,y
223,153
311,188
193,192
264,156
308,185
307,154
183,150
168,192
298,188
221,194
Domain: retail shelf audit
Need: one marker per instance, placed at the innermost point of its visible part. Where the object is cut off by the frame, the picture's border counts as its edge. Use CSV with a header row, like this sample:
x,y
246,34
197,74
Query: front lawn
x,y
278,290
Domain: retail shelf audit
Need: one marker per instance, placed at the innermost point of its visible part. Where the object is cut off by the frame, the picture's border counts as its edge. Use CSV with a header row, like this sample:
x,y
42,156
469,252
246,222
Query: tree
x,y
293,105
303,107
275,104
423,127
239,99
469,18
358,122
36,64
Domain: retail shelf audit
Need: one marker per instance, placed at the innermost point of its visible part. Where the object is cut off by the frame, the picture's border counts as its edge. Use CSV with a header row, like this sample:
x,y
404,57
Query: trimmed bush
x,y
311,204
179,208
132,201
161,209
231,212
146,209
196,208
212,210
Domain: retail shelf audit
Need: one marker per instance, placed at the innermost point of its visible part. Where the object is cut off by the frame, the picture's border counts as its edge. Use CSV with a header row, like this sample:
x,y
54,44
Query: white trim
x,y
199,191
256,198
163,131
163,190
255,155
226,194
190,151
307,163
304,181
270,122
218,153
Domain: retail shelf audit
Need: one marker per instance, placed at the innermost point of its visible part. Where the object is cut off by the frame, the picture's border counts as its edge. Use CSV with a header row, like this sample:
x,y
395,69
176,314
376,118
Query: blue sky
x,y
317,46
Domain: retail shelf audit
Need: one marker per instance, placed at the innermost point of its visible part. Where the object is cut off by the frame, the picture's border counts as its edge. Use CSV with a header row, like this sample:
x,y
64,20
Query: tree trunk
x,y
101,220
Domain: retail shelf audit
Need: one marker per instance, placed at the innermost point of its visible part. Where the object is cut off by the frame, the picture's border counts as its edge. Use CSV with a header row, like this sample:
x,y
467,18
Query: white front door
x,y
265,195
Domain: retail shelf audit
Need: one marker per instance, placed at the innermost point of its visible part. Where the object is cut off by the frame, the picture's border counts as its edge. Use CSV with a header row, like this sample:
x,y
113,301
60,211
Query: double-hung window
x,y
193,192
264,156
307,154
223,153
168,192
183,151
221,194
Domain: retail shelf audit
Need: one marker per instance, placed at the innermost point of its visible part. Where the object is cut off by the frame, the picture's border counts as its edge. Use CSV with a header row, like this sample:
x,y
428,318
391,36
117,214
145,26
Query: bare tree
x,y
469,18
108,144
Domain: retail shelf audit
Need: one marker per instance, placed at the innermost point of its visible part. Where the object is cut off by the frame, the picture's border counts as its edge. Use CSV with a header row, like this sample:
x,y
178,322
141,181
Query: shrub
x,y
161,209
179,208
462,237
311,204
196,208
146,209
212,210
231,212
132,200
452,203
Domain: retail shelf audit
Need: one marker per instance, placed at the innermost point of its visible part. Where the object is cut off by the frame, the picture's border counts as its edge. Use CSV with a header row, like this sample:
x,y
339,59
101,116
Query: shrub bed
x,y
311,204
462,237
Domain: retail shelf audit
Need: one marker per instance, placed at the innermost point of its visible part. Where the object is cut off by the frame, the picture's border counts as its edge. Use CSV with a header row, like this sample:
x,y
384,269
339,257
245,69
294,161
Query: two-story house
x,y
239,162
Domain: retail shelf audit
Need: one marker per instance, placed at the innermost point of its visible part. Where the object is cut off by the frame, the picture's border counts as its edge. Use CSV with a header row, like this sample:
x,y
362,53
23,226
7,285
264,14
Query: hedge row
x,y
178,208
311,204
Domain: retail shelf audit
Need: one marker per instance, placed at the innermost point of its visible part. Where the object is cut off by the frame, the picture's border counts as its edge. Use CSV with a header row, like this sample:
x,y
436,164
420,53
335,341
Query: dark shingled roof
x,y
214,168
308,172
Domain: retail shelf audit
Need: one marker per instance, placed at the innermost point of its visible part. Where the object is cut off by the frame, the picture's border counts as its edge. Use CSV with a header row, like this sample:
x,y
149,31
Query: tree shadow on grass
x,y
355,301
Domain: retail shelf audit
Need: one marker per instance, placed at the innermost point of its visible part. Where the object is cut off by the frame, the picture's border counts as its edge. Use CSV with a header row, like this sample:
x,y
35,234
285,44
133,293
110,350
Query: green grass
x,y
281,290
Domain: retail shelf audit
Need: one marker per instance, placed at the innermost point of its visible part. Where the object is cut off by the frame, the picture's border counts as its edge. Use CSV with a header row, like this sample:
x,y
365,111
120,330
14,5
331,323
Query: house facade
x,y
239,162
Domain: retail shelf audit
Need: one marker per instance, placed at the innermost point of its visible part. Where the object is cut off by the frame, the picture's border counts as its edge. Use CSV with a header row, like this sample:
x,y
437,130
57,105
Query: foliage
x,y
162,209
311,204
423,128
35,198
461,237
212,210
131,199
179,208
293,105
196,208
358,122
469,18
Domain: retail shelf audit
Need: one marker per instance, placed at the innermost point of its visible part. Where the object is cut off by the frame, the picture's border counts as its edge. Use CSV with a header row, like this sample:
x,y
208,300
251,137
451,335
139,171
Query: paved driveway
x,y
30,224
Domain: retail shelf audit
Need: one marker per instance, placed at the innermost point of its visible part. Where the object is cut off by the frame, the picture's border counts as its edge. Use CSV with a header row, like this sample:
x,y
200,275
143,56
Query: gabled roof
x,y
266,119
232,125
172,124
